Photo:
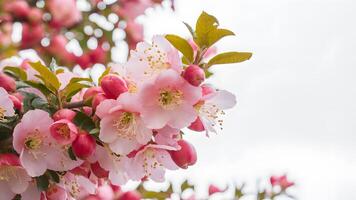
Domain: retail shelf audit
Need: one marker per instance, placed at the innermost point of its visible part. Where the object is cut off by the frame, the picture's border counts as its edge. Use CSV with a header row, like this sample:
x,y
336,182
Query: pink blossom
x,y
151,162
169,101
6,105
214,189
64,12
13,177
31,192
168,136
134,33
281,181
121,125
130,9
211,108
38,150
209,53
148,60
116,165
64,131
77,186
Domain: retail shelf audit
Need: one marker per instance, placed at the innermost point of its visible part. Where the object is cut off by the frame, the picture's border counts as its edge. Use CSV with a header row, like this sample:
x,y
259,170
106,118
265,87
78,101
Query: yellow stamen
x,y
170,98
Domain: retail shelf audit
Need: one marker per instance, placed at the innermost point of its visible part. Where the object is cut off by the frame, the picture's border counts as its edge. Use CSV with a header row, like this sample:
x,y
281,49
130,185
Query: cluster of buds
x,y
69,135
45,22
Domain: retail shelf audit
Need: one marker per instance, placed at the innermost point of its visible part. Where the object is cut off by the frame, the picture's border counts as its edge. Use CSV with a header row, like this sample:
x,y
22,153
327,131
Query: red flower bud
x,y
130,195
63,131
84,145
16,101
7,82
35,15
9,159
113,86
98,170
64,114
186,156
19,9
83,169
91,92
197,125
18,96
213,189
97,100
194,75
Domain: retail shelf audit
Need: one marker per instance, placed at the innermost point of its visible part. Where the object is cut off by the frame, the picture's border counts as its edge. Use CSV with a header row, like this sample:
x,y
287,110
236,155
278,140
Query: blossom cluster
x,y
65,134
50,25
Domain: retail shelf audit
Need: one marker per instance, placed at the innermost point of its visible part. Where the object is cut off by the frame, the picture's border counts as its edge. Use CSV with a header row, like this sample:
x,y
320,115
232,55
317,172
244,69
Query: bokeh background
x,y
296,97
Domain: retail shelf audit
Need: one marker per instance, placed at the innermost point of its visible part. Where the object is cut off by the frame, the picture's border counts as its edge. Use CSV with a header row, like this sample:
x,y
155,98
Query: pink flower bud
x,y
31,35
194,75
281,181
18,96
64,131
186,156
213,189
64,114
16,101
84,61
83,169
9,159
206,89
7,82
35,16
92,197
98,170
84,145
20,8
113,86
130,195
91,92
98,99
197,125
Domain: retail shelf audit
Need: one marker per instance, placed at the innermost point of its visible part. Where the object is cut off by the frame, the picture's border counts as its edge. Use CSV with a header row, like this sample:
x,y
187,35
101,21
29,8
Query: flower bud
x,y
98,170
7,82
83,170
186,156
84,145
97,100
130,195
19,9
64,114
91,92
18,96
213,189
197,125
9,159
35,15
194,75
17,103
63,131
113,86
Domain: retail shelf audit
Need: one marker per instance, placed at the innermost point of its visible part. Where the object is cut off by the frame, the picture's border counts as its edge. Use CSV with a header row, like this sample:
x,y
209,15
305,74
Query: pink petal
x,y
19,182
108,132
165,159
223,99
5,191
182,117
124,146
103,108
34,167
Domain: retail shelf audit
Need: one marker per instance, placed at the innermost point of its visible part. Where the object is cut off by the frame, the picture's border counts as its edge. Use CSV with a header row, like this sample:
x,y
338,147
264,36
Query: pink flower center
x,y
64,131
2,113
170,98
156,60
150,162
213,113
126,125
33,141
6,172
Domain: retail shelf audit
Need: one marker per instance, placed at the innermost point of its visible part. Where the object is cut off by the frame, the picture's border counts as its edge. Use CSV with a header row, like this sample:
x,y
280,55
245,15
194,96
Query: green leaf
x,y
39,86
42,182
71,154
49,78
229,57
216,34
53,175
190,29
71,89
182,45
106,72
18,72
186,185
32,101
83,121
79,79
95,132
204,25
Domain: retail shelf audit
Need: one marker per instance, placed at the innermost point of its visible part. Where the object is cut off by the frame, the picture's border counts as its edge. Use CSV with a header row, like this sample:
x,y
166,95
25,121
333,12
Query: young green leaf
x,y
16,71
216,34
190,29
71,89
182,45
42,182
80,79
229,57
83,121
39,86
204,25
49,78
106,72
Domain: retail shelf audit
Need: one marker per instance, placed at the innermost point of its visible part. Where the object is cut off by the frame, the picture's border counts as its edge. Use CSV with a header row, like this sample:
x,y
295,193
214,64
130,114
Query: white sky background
x,y
296,97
